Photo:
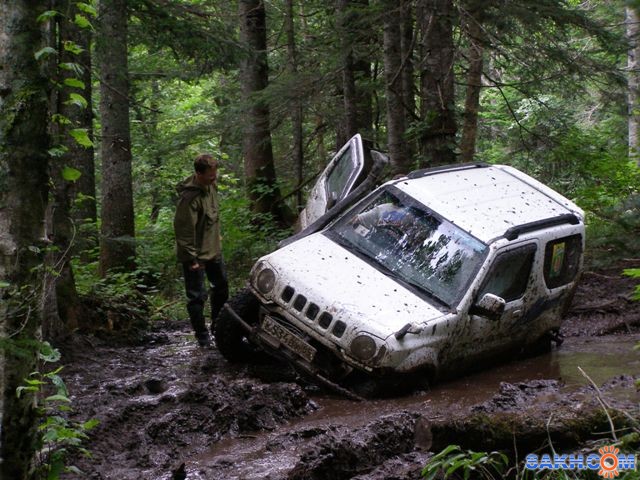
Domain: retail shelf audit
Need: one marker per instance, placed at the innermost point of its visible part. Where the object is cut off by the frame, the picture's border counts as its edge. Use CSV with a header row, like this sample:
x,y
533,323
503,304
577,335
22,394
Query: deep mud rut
x,y
169,410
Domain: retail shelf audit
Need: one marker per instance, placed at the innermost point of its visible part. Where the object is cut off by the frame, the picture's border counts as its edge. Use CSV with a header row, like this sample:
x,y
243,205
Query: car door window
x,y
562,260
346,170
339,178
510,273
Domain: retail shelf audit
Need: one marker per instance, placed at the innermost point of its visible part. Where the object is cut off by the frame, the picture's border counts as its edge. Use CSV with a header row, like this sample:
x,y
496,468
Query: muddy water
x,y
271,455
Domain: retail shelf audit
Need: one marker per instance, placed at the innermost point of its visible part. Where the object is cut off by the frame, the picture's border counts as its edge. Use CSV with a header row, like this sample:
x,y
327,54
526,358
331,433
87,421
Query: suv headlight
x,y
363,347
265,280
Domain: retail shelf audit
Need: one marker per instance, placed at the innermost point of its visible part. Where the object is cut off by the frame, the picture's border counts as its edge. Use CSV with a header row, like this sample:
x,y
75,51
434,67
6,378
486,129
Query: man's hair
x,y
204,162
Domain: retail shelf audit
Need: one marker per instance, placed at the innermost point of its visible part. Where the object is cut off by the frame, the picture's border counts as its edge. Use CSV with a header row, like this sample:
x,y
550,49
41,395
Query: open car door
x,y
346,170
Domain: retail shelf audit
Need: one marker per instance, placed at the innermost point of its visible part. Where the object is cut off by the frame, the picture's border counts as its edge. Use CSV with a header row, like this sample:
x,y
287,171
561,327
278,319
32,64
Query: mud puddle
x,y
551,377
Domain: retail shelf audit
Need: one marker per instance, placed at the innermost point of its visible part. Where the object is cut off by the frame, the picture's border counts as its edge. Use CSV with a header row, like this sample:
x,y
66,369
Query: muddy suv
x,y
424,275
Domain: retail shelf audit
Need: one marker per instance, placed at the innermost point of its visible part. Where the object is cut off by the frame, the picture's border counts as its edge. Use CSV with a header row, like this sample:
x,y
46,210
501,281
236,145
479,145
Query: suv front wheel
x,y
230,336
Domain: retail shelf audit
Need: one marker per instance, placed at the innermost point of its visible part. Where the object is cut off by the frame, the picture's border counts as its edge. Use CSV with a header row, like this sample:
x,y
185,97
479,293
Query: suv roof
x,y
486,200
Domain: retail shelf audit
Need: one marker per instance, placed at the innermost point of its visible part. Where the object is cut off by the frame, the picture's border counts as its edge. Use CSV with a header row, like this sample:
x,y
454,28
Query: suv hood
x,y
346,286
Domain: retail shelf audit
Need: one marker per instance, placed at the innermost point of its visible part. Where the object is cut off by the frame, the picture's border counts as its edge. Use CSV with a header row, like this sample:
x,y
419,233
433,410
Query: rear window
x,y
561,260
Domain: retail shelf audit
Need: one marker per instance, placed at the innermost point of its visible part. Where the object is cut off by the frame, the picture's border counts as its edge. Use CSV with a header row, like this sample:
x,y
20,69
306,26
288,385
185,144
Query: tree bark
x,y
296,108
259,168
73,206
393,88
117,247
83,190
408,85
437,135
23,197
356,69
633,82
474,86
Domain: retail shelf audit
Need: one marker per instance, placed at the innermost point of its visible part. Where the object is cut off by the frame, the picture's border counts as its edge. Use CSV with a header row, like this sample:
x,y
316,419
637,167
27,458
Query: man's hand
x,y
195,265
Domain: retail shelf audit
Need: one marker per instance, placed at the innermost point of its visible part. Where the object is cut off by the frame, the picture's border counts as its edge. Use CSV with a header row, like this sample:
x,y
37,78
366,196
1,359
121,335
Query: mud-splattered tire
x,y
230,336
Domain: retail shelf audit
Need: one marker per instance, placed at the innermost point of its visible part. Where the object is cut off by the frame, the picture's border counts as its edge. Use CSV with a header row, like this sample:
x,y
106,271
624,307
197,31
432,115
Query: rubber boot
x,y
196,316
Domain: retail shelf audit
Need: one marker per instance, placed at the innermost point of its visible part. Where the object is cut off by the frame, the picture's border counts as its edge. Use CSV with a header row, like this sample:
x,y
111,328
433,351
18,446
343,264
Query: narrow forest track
x,y
163,402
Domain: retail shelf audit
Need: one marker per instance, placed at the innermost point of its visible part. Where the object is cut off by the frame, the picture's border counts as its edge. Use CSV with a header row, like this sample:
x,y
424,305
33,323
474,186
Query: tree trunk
x,y
296,108
437,135
393,88
356,69
65,225
474,86
633,76
117,247
259,168
23,197
83,190
406,48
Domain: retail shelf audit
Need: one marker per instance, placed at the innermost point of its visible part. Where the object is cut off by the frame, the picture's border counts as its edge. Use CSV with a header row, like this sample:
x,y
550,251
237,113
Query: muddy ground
x,y
169,410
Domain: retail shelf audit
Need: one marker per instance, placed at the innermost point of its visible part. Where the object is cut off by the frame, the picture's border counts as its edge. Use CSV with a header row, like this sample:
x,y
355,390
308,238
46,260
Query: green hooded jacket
x,y
196,223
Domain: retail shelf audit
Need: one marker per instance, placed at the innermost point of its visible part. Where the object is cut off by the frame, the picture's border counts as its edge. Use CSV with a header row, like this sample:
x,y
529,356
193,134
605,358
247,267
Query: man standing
x,y
197,229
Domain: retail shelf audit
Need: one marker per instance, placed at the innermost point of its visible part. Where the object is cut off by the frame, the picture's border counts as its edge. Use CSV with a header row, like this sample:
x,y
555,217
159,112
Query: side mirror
x,y
490,306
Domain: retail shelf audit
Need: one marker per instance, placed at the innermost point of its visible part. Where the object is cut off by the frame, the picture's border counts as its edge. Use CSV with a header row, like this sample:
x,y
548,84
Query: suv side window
x,y
338,179
561,260
510,273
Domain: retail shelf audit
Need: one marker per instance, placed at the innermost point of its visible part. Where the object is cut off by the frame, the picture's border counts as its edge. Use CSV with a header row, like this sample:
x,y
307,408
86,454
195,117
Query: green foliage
x,y
582,155
614,232
634,273
71,174
58,437
114,286
453,462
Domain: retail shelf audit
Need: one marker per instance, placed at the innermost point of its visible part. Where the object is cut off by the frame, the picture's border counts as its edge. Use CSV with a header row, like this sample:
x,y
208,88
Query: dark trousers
x,y
197,292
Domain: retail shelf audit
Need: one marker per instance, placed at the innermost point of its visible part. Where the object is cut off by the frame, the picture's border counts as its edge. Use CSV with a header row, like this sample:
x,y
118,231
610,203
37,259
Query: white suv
x,y
427,274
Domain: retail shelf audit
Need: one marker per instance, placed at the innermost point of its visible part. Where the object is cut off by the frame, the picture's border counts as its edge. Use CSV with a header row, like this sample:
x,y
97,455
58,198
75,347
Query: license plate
x,y
292,341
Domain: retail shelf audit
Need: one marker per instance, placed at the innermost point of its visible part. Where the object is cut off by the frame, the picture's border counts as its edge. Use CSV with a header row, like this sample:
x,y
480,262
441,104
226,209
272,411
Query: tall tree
x,y
296,108
23,197
73,203
394,87
407,47
76,50
117,247
475,57
356,68
259,169
633,81
438,131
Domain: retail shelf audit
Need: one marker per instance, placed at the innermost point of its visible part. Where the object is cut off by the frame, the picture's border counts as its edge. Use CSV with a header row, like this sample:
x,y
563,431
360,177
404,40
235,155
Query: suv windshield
x,y
412,244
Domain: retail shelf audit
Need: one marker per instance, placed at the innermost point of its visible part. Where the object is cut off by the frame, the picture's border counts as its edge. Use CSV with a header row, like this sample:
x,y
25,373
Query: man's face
x,y
208,177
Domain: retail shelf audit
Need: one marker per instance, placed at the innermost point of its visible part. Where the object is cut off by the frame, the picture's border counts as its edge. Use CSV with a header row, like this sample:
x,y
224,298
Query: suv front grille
x,y
339,328
287,293
325,320
299,302
312,311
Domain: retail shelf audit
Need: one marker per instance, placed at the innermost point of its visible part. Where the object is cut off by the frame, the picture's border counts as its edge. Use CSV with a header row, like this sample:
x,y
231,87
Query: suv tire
x,y
230,336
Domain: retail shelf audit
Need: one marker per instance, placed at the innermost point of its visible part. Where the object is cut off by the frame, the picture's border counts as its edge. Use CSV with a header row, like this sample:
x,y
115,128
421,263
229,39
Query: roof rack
x,y
445,168
513,232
